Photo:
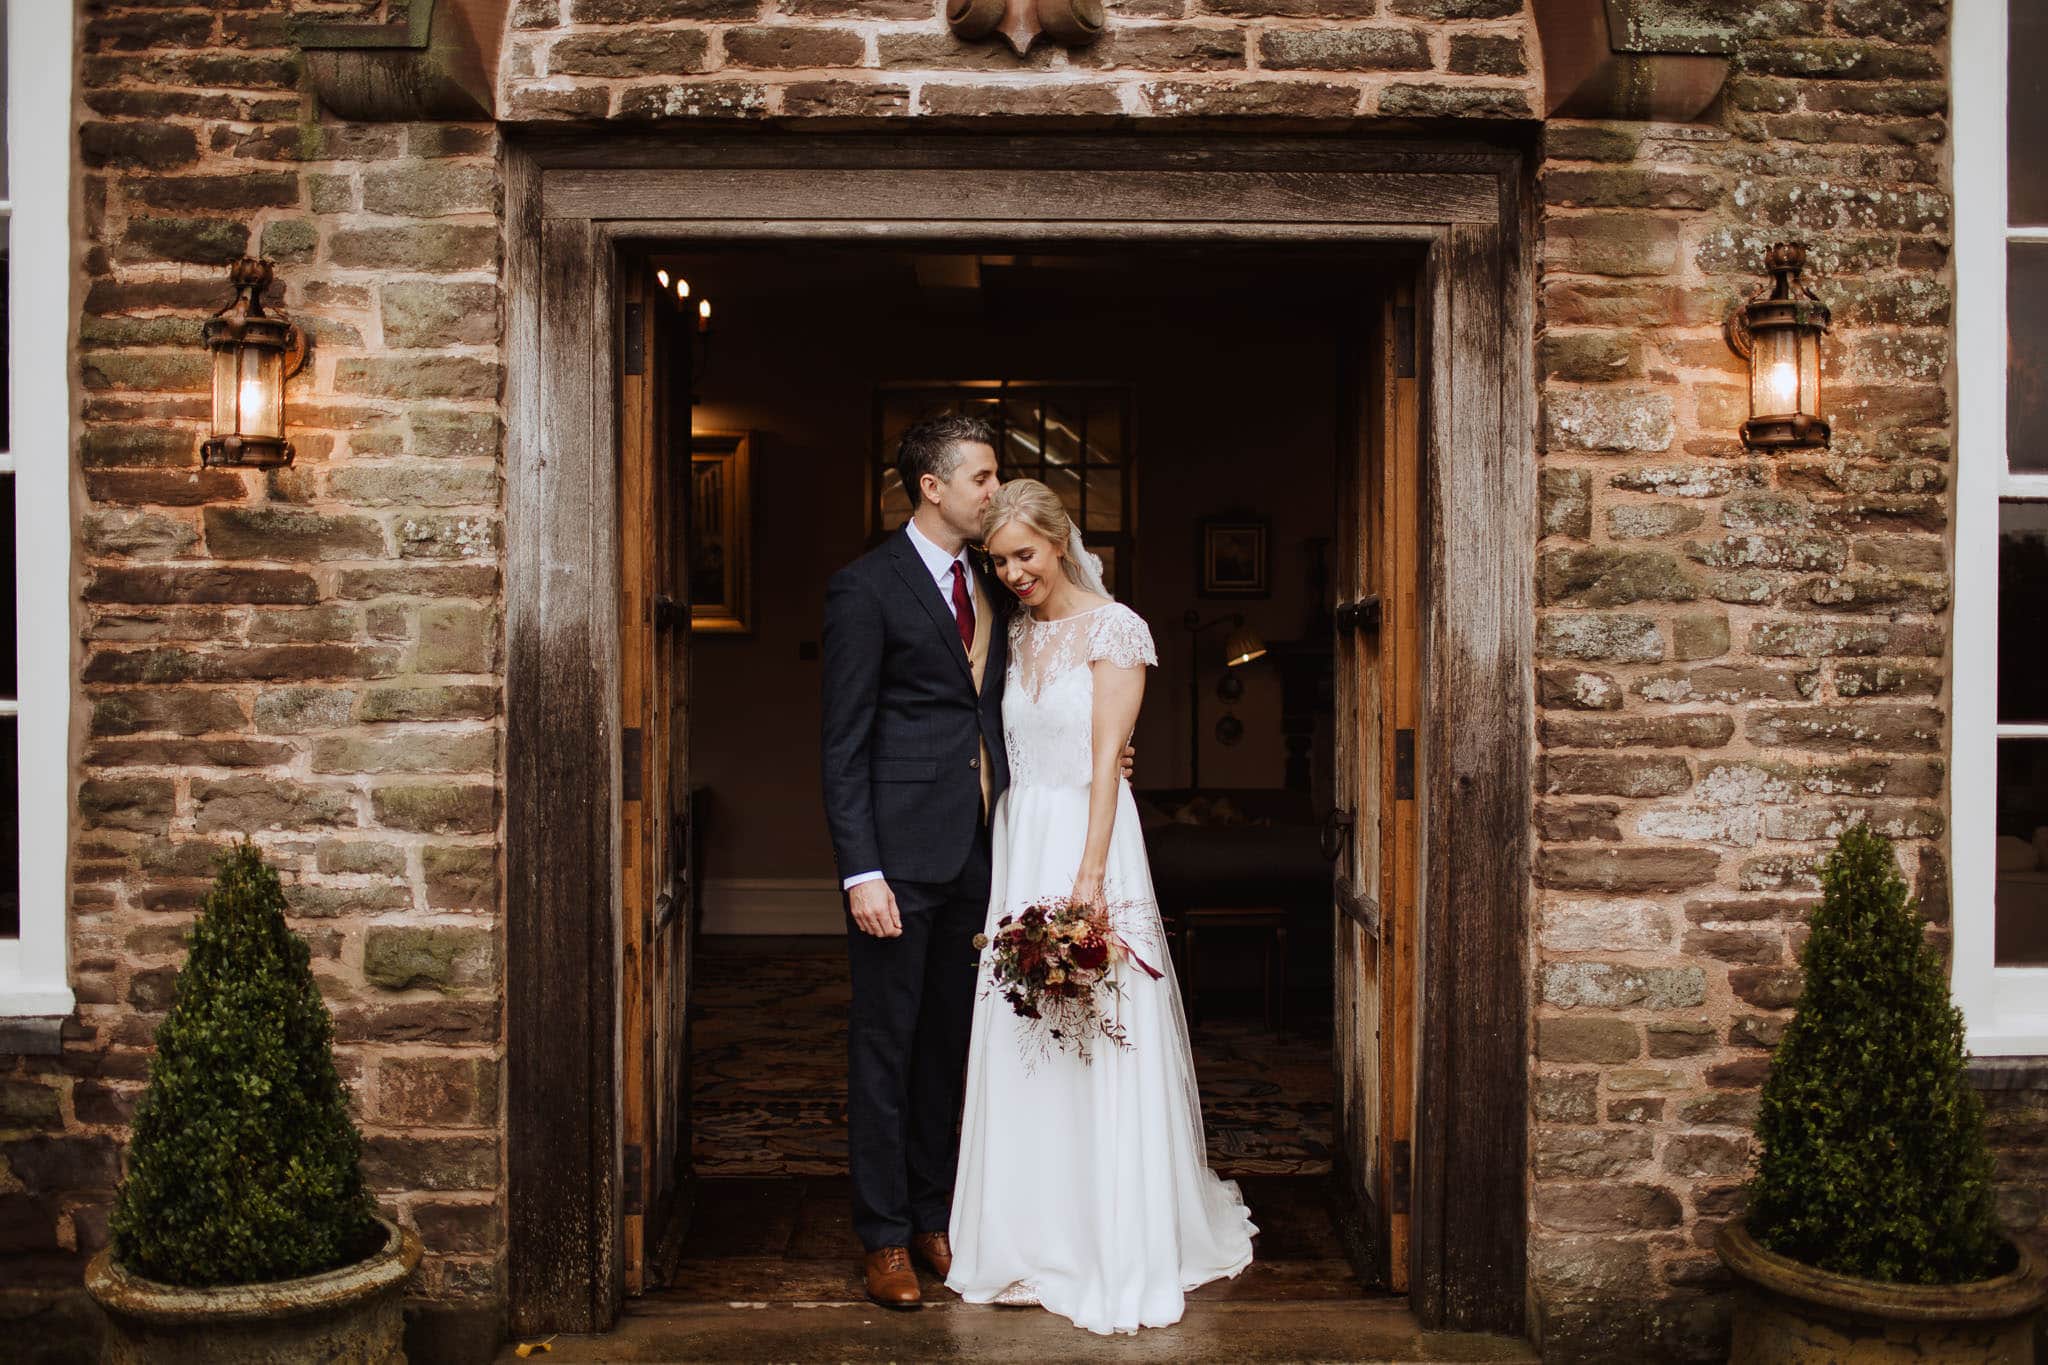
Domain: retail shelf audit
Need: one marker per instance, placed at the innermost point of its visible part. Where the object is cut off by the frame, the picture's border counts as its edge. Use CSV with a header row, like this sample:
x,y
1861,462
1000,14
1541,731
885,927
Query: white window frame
x,y
2005,1009
35,978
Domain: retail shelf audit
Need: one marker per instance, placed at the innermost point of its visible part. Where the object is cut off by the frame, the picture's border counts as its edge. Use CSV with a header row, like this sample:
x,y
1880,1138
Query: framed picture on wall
x,y
1233,557
721,533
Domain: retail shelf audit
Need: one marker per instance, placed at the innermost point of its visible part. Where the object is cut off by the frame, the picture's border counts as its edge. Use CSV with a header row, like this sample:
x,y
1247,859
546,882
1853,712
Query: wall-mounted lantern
x,y
254,352
1778,332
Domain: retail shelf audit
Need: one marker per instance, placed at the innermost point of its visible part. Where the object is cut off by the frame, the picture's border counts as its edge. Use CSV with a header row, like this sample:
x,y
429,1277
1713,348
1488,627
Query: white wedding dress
x,y
1083,1185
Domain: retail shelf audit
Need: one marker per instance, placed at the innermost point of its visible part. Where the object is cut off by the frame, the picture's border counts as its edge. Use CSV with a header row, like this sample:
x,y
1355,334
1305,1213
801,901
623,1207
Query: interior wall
x,y
1236,409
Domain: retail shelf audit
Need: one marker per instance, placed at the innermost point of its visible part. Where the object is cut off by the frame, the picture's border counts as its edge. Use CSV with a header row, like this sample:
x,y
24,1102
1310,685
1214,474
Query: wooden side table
x,y
1271,920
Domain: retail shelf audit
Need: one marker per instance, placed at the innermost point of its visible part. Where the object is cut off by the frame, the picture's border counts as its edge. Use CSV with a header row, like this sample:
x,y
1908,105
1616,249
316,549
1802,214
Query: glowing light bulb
x,y
682,288
252,401
1782,382
662,275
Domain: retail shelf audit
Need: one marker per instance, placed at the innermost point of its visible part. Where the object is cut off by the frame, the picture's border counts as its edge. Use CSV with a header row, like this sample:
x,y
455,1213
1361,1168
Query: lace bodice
x,y
1049,693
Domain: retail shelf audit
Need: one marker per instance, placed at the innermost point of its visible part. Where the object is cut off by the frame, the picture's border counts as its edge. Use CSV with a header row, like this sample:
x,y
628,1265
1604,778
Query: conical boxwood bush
x,y
1872,1160
242,1164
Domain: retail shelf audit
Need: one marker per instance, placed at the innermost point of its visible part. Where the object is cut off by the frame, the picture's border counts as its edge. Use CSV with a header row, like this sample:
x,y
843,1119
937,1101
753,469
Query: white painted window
x,y
35,509
1999,700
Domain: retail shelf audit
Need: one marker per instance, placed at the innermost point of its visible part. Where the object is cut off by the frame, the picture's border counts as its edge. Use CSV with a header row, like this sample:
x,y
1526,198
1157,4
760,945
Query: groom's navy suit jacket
x,y
904,726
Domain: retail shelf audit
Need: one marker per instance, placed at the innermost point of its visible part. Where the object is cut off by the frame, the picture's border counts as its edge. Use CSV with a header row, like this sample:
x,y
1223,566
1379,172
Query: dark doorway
x,y
1196,408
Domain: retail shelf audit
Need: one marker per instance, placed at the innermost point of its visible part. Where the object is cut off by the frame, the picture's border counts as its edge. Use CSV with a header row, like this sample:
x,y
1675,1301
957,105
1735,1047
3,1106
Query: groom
x,y
915,646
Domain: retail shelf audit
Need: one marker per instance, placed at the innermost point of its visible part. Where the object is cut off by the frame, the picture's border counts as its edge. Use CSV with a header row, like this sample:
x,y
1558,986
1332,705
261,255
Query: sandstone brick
x,y
54,1163
360,856
198,241
425,580
1587,1040
1650,520
1444,101
1015,101
1756,1030
792,46
1604,576
26,1104
461,876
1629,187
394,1163
1567,502
272,625
295,710
1768,988
847,99
1728,683
1565,140
199,753
1602,1207
1578,689
1613,985
436,808
1680,1037
1566,1097
268,532
1593,637
439,1091
1729,1109
177,710
254,803
1780,872
160,584
1608,420
527,102
414,957
444,1022
425,313
1580,926
1699,635
465,536
432,189
414,247
266,663
1615,774
1487,54
1559,821
133,803
1899,727
306,900
694,100
468,1227
1899,21
456,638
439,376
1669,730
149,145
1693,1154
640,52
1629,869
1853,638
1735,945
1589,1153
455,701
1689,480
1343,49
410,752
1894,820
1612,244
153,991
1281,99
1165,47
148,372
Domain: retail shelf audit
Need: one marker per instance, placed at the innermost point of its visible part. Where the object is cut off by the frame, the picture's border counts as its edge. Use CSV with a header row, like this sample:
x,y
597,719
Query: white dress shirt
x,y
941,569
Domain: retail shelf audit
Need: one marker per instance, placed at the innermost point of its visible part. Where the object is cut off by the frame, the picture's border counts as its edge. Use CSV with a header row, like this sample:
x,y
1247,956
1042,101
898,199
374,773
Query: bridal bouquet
x,y
1055,964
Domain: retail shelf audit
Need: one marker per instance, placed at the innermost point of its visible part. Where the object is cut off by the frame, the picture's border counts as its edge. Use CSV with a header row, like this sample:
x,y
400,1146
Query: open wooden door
x,y
658,894
1371,834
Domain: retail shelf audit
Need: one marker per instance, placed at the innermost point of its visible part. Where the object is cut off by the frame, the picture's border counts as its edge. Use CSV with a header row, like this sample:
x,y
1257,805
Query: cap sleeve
x,y
1120,635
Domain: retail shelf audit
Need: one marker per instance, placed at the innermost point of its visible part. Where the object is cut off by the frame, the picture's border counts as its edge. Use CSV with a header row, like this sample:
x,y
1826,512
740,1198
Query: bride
x,y
1084,1183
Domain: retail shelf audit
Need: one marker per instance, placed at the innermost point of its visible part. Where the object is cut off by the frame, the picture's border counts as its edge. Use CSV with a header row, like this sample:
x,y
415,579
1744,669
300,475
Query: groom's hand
x,y
1129,760
874,909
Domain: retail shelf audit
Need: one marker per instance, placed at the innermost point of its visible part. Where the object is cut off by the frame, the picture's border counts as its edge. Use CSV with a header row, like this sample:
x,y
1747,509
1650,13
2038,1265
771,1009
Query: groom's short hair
x,y
932,446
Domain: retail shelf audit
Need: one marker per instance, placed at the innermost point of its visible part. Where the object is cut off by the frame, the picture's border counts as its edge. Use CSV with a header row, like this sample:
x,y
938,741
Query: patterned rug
x,y
768,1070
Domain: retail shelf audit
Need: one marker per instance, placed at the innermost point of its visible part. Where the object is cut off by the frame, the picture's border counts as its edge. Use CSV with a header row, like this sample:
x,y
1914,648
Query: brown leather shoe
x,y
935,1251
891,1281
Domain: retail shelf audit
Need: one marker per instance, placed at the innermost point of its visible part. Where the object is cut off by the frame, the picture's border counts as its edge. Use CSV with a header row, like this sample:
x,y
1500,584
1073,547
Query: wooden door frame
x,y
574,203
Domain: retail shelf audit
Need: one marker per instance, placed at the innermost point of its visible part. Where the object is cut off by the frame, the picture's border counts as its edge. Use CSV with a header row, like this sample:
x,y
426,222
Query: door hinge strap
x,y
632,1176
1398,1178
1404,765
631,748
634,361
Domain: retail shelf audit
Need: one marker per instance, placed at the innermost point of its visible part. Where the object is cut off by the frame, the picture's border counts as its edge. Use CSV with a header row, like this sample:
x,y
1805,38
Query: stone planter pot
x,y
1792,1314
349,1316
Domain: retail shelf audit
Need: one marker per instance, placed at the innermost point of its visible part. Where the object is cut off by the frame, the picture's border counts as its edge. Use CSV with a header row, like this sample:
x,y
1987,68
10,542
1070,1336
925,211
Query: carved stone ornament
x,y
1069,23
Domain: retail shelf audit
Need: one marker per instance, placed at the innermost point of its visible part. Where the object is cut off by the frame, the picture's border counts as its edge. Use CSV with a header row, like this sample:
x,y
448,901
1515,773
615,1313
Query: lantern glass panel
x,y
1774,378
1809,373
261,405
225,390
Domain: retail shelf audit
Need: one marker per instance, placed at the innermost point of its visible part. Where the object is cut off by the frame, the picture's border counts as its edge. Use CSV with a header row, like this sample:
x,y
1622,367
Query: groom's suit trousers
x,y
913,1010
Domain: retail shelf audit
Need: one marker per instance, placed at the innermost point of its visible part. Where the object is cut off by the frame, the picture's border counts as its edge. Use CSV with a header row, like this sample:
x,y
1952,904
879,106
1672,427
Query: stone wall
x,y
310,657
1737,656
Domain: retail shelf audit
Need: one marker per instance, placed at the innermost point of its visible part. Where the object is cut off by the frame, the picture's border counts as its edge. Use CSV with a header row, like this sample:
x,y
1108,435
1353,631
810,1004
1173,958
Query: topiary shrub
x,y
242,1164
1871,1156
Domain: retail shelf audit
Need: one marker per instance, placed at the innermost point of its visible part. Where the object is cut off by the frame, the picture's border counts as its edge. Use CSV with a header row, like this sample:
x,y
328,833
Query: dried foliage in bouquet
x,y
1057,963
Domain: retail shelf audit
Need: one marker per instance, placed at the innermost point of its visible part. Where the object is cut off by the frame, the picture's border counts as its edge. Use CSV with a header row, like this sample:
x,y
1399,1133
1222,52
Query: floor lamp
x,y
1240,648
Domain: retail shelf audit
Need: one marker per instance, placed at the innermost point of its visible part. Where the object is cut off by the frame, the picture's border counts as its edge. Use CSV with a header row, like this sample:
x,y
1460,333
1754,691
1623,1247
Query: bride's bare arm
x,y
1118,692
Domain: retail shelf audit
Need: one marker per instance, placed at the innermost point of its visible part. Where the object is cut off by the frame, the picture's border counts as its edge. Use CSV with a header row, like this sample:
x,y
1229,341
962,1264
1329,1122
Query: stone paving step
x,y
1214,1332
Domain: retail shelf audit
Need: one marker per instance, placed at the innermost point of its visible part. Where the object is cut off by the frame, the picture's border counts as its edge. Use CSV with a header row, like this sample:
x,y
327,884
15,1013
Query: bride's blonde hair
x,y
1031,502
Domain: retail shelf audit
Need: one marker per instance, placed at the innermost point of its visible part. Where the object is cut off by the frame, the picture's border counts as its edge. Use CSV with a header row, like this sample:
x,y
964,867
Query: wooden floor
x,y
769,1272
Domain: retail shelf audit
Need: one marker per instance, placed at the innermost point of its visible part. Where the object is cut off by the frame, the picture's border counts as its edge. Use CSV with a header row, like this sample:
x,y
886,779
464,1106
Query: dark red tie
x,y
963,608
